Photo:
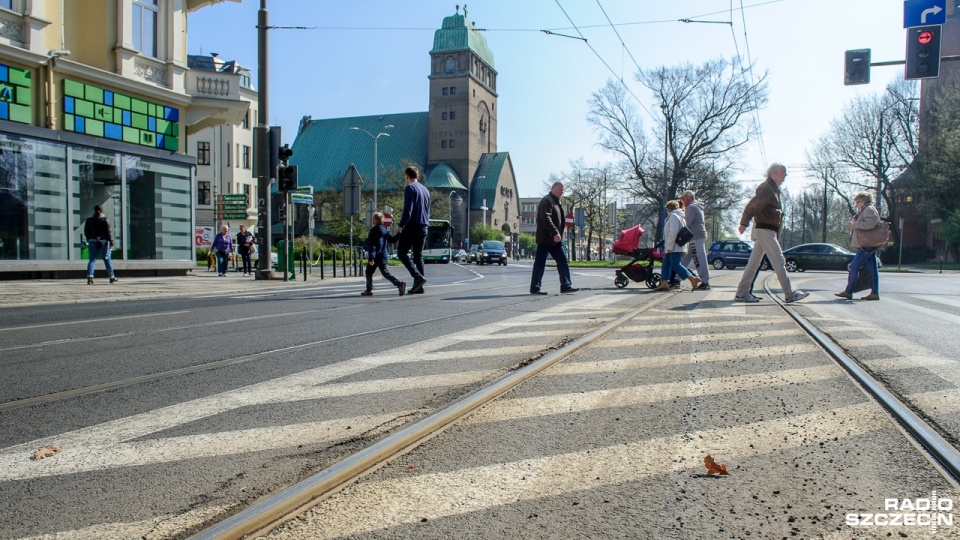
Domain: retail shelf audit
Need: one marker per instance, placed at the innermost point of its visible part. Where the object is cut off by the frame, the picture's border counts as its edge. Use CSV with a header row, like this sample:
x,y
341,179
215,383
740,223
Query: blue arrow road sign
x,y
924,12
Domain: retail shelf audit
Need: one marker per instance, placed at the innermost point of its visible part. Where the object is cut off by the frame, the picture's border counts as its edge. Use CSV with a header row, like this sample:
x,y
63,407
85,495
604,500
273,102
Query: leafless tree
x,y
704,121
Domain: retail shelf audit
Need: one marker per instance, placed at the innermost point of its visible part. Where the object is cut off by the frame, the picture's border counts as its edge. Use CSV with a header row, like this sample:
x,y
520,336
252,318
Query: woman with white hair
x,y
866,218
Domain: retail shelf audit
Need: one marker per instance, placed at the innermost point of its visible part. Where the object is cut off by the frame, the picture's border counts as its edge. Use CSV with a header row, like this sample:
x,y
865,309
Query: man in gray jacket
x,y
697,253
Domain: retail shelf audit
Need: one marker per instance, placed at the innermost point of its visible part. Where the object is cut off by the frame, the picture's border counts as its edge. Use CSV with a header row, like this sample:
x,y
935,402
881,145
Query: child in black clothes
x,y
376,247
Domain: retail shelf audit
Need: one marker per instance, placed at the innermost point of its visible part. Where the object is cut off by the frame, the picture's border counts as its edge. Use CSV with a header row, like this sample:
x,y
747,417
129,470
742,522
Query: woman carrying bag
x,y
673,252
866,219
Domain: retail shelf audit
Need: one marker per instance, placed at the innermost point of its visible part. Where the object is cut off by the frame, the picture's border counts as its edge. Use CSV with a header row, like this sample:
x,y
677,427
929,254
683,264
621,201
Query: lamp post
x,y
666,139
374,137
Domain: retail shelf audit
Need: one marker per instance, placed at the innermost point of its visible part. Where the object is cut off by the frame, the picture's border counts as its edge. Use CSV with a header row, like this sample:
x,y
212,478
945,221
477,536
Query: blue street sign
x,y
924,12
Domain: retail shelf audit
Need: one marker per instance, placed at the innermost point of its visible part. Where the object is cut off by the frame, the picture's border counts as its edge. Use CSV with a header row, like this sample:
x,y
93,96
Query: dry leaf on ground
x,y
46,451
713,467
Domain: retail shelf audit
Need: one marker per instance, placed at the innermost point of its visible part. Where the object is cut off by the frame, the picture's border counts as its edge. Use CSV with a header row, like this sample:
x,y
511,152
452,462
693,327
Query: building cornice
x,y
112,80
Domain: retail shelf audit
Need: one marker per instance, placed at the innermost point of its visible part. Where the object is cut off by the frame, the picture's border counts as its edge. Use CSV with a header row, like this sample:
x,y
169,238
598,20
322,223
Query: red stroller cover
x,y
629,241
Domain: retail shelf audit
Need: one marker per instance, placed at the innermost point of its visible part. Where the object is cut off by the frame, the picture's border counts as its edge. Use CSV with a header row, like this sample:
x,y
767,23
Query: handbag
x,y
683,237
878,236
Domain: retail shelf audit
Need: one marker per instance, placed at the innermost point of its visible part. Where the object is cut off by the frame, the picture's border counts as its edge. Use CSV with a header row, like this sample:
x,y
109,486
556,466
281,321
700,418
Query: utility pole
x,y
261,140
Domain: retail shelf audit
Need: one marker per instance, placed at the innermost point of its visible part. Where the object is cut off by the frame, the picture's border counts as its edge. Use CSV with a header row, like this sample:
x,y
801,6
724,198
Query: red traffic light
x,y
924,37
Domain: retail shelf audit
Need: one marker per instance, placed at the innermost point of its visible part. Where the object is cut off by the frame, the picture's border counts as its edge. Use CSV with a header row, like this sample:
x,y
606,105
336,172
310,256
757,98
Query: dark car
x,y
492,252
472,254
817,257
731,254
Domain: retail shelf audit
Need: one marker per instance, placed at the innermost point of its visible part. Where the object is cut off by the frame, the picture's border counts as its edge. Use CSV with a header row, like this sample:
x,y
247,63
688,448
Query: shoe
x,y
403,287
569,290
694,283
538,291
674,284
417,286
114,279
366,293
871,296
750,299
844,294
755,297
796,295
704,286
664,286
89,280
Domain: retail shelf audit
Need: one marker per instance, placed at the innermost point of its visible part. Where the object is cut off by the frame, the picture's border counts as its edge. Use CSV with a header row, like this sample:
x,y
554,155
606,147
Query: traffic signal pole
x,y
262,149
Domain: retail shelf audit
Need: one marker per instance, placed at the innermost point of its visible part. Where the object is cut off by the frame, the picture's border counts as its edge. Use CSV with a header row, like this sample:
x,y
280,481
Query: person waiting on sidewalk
x,y
549,237
376,248
222,246
767,214
412,229
99,241
673,252
245,241
865,219
697,252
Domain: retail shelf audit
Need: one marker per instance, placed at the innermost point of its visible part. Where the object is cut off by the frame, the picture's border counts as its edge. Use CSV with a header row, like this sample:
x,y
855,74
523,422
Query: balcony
x,y
215,99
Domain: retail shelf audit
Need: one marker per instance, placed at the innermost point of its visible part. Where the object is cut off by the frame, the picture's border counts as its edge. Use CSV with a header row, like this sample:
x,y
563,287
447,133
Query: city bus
x,y
439,244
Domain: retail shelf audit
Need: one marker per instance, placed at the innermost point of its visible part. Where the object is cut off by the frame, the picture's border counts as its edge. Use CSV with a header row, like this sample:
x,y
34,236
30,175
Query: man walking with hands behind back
x,y
550,241
697,252
412,228
767,215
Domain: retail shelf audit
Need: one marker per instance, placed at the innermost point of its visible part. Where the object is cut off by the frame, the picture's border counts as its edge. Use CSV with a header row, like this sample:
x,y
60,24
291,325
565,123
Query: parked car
x,y
460,256
492,252
817,257
731,254
472,255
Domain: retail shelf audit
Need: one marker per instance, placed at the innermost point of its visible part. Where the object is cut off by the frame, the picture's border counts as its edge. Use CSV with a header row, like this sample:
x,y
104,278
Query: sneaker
x,y
418,291
704,287
844,294
114,279
538,291
89,280
755,297
366,293
403,287
569,290
674,284
417,286
796,295
748,298
871,296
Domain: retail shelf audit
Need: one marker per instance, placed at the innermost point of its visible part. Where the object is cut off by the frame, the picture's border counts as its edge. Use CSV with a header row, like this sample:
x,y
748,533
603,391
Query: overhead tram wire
x,y
756,113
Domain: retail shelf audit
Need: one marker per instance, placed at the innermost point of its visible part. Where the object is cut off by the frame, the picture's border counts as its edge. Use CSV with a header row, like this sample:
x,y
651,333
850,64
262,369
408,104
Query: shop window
x,y
145,15
158,195
96,179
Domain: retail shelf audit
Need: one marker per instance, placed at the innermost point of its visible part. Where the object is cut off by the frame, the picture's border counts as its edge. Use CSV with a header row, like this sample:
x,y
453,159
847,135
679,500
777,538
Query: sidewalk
x,y
76,291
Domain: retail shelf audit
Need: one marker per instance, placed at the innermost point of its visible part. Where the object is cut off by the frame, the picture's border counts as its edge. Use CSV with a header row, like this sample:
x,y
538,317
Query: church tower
x,y
462,121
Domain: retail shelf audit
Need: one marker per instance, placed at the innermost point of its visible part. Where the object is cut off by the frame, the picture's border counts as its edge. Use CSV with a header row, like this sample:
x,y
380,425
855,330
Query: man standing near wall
x,y
697,252
412,228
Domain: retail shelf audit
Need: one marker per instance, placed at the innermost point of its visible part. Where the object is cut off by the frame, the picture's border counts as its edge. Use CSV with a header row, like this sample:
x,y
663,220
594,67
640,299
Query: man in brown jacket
x,y
550,241
767,215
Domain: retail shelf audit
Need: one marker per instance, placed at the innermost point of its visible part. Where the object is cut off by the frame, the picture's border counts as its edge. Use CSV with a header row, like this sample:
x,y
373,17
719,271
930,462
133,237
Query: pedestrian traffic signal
x,y
923,52
286,178
856,67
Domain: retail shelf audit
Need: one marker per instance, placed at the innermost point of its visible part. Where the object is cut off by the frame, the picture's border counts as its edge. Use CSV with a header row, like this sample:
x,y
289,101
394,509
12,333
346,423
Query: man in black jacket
x,y
550,241
99,240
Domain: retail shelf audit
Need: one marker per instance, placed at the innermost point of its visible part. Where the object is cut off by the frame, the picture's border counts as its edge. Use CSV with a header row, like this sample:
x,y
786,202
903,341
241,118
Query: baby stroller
x,y
640,269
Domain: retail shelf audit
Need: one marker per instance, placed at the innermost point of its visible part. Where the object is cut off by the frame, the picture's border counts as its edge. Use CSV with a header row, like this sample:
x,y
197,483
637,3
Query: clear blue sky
x,y
371,56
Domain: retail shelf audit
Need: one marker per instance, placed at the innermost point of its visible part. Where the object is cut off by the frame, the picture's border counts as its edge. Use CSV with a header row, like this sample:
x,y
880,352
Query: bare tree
x,y
704,122
590,188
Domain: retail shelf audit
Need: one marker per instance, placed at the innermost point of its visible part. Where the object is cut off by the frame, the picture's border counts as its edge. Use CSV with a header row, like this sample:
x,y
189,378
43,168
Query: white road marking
x,y
95,321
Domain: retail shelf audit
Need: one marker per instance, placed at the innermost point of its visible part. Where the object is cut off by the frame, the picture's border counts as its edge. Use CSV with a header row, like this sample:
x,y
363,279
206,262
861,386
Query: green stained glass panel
x,y
73,88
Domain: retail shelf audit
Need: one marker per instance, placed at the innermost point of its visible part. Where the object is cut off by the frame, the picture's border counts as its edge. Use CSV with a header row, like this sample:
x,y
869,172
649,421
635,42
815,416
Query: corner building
x,y
454,143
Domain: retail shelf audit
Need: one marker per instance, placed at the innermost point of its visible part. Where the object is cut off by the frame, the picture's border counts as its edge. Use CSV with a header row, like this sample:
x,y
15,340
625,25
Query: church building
x,y
454,143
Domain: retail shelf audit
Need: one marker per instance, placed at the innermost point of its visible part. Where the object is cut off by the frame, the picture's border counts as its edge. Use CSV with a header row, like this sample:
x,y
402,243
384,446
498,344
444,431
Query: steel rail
x,y
260,518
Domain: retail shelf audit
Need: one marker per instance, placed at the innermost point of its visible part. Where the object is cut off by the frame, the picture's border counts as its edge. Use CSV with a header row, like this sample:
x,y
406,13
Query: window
x,y
453,90
246,191
8,4
159,220
446,90
203,193
443,143
453,143
450,65
246,157
245,123
228,154
444,116
145,14
453,115
203,153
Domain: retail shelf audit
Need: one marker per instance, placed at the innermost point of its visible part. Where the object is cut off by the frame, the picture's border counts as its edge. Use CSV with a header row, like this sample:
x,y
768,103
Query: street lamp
x,y
666,138
374,137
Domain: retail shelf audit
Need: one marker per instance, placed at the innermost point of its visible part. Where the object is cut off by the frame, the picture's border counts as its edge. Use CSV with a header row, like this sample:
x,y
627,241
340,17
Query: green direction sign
x,y
233,197
301,198
231,207
231,215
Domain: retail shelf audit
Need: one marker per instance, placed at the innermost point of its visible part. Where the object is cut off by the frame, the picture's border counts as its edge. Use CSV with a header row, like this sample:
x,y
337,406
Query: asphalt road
x,y
173,412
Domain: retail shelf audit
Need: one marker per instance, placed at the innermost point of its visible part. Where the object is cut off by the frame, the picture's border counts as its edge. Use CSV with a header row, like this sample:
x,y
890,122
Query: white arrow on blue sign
x,y
924,12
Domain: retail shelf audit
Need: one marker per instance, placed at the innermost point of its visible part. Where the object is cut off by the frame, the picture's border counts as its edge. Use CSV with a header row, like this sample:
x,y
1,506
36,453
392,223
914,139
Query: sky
x,y
368,57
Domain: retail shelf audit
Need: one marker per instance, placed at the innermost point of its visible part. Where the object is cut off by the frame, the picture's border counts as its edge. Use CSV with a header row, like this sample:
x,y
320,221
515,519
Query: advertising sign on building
x,y
203,237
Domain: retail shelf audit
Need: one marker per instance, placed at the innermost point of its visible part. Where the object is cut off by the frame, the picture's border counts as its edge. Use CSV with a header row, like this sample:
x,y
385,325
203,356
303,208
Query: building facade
x,y
454,143
100,118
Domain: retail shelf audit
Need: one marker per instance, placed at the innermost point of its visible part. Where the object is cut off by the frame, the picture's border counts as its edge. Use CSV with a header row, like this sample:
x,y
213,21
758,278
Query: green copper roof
x,y
324,149
459,34
444,177
487,178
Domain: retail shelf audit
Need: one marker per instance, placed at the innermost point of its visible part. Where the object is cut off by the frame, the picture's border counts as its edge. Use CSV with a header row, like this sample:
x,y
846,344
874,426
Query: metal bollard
x,y
334,263
344,263
321,264
303,257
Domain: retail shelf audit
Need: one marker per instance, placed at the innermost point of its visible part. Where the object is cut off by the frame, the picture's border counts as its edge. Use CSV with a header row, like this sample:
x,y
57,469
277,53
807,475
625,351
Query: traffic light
x,y
923,52
856,67
282,212
286,178
285,153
